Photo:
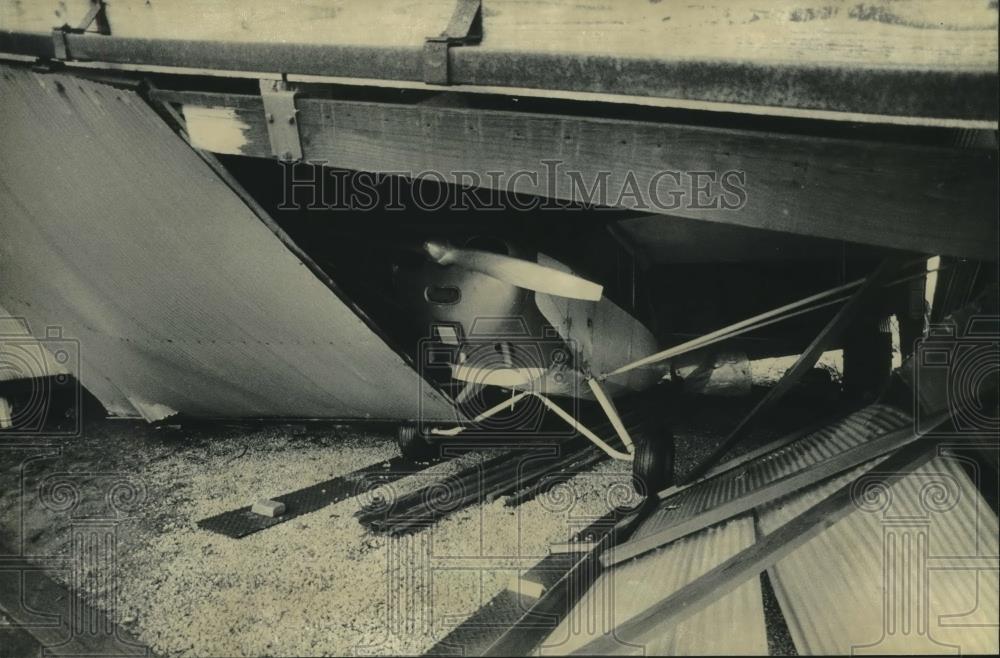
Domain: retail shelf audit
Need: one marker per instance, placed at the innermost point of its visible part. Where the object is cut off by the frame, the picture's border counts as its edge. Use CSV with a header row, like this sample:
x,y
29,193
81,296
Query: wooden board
x,y
341,22
928,199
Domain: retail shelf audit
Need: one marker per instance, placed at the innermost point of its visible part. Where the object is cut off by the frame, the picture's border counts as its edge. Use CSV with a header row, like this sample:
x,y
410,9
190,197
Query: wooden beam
x,y
763,495
749,562
830,333
926,199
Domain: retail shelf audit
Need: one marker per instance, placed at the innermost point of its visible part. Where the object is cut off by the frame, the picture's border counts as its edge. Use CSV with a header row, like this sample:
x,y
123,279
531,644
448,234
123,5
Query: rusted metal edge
x,y
875,90
725,467
465,27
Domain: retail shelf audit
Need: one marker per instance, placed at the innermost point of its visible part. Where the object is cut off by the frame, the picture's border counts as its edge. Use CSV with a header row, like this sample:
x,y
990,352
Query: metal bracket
x,y
97,13
282,120
464,28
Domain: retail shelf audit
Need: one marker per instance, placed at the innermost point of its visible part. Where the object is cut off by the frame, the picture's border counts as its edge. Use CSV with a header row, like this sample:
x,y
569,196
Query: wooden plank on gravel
x,y
241,522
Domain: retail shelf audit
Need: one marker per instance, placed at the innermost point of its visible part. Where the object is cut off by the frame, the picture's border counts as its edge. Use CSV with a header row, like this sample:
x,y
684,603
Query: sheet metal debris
x,y
624,591
699,504
913,570
114,230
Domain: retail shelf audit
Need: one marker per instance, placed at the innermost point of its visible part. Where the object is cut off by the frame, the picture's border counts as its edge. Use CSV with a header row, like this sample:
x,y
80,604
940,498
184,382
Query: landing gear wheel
x,y
653,465
413,445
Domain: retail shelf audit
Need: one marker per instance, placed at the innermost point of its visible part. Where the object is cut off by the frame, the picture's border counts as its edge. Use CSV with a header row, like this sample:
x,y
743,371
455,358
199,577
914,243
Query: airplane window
x,y
442,294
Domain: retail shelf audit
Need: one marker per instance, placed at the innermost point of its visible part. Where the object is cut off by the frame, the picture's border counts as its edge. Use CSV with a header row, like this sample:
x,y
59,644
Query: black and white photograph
x,y
499,328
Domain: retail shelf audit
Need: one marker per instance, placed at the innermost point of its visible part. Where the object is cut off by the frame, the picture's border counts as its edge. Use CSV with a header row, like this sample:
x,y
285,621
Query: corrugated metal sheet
x,y
734,624
114,230
838,437
912,571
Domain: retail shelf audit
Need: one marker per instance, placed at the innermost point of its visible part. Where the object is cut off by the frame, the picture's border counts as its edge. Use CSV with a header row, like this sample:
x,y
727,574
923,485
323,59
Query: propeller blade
x,y
503,377
516,271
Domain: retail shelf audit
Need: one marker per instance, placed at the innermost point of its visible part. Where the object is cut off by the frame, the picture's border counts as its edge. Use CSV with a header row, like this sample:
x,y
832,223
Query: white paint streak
x,y
897,343
151,411
216,129
6,414
930,283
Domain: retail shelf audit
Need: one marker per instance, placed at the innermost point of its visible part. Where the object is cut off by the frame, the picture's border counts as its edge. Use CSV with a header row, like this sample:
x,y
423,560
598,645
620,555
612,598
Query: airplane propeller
x,y
516,271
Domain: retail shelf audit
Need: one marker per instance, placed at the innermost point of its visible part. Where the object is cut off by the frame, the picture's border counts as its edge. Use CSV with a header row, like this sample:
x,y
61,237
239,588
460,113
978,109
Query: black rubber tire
x,y
413,445
653,465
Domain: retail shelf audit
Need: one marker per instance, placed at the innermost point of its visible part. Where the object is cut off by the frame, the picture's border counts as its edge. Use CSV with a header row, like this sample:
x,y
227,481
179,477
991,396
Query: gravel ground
x,y
316,585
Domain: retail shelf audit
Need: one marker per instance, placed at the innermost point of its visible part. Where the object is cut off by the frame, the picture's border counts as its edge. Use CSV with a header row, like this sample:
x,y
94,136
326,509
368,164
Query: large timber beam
x,y
925,199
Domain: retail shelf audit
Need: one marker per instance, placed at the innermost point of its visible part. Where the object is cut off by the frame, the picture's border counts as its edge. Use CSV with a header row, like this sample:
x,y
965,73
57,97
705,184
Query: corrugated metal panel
x,y
911,571
838,437
734,624
112,228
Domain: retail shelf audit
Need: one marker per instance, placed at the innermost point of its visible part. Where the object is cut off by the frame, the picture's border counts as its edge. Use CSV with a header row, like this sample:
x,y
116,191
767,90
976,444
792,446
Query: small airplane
x,y
550,333
566,340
